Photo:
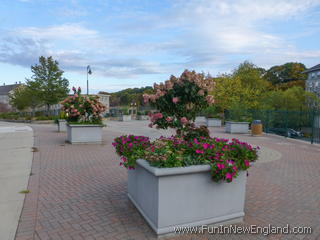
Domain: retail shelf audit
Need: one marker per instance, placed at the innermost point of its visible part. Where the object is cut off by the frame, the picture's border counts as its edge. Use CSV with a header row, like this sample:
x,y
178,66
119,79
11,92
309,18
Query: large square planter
x,y
126,118
62,125
79,133
214,122
200,119
237,127
185,196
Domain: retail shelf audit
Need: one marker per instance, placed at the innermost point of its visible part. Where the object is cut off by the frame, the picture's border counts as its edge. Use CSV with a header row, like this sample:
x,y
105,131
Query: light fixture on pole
x,y
88,72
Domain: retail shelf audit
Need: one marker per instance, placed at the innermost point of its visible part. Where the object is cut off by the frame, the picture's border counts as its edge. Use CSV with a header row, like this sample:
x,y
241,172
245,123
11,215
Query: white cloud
x,y
201,34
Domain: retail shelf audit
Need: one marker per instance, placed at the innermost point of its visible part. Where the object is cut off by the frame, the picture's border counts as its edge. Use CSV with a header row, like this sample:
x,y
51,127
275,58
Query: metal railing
x,y
304,125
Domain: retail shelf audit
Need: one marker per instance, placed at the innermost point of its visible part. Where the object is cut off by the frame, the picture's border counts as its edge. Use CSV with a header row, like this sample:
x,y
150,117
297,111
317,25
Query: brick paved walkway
x,y
79,191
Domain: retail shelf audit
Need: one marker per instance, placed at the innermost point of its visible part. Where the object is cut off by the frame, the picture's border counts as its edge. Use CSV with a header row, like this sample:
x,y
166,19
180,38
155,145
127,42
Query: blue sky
x,y
134,43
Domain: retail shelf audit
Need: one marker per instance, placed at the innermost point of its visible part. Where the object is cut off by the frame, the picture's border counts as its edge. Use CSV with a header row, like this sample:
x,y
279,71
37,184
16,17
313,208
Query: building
x,y
5,91
313,81
105,100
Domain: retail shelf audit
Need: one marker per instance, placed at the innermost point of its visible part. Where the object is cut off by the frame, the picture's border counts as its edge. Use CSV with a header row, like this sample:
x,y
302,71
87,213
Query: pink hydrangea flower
x,y
184,120
175,100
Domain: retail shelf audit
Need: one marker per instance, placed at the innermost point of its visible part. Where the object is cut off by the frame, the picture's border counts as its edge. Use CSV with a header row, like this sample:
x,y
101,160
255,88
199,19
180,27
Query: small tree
x,y
179,100
47,82
24,97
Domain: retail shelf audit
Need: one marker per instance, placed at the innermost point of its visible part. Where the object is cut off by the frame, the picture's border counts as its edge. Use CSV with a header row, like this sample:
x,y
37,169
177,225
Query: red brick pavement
x,y
79,192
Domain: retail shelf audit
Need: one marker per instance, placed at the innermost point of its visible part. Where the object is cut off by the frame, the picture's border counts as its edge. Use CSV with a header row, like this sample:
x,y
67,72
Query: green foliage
x,y
24,97
245,86
127,96
294,98
285,73
47,82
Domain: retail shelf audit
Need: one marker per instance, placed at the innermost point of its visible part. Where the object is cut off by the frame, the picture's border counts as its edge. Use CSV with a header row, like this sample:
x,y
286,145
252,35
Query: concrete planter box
x,y
186,196
62,125
90,133
214,122
200,119
143,117
126,118
237,127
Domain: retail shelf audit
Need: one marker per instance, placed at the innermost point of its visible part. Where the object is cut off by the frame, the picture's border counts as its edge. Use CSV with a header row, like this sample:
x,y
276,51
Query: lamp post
x,y
88,72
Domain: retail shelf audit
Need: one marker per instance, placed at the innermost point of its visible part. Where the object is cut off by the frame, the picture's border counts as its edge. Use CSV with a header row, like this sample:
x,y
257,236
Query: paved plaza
x,y
79,191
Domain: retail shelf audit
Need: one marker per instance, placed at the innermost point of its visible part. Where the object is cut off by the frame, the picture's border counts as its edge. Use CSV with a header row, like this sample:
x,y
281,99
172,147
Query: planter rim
x,y
84,125
172,171
62,120
213,118
237,122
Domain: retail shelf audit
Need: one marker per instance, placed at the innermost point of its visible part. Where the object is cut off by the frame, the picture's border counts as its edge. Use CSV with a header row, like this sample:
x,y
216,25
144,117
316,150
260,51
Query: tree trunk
x,y
48,109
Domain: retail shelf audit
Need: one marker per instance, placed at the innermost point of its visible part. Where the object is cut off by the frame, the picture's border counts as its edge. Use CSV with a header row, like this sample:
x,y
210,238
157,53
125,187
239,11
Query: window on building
x,y
313,74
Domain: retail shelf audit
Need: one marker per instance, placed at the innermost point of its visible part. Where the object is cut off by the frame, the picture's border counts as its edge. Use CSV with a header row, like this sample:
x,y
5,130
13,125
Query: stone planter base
x,y
78,133
214,122
126,118
237,127
62,125
186,196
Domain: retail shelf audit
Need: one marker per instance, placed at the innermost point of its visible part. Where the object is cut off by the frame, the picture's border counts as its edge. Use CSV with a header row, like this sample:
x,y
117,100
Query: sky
x,y
134,43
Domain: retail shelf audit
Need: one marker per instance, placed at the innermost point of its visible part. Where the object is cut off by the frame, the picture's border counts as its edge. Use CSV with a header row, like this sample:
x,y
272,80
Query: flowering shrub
x,y
179,100
225,157
130,148
83,109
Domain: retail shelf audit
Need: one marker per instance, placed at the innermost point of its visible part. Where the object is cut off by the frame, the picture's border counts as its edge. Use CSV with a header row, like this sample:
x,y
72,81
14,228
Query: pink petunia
x,y
199,151
228,176
247,163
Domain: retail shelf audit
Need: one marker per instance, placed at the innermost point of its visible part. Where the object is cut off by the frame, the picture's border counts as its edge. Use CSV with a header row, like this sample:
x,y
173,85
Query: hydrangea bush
x,y
82,109
178,101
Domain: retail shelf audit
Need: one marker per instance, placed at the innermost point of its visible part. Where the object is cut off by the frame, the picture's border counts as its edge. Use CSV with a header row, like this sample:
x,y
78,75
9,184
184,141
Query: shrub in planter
x,y
179,100
84,117
171,186
83,109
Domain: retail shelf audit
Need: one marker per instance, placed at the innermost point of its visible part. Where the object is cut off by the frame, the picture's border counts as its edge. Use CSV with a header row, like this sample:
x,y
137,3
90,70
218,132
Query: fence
x,y
304,125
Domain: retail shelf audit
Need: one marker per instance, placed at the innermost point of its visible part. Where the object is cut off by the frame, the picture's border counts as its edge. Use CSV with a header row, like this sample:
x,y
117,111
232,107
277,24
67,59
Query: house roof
x,y
5,89
314,68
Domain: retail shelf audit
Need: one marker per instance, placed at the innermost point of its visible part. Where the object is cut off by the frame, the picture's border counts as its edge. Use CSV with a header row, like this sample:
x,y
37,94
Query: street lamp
x,y
88,72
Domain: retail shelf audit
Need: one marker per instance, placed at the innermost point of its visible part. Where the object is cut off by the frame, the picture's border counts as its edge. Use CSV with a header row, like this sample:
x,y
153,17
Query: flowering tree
x,y
179,100
86,109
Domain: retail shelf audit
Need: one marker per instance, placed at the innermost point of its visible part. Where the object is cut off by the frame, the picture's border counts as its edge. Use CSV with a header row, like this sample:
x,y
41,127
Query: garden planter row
x,y
185,196
126,118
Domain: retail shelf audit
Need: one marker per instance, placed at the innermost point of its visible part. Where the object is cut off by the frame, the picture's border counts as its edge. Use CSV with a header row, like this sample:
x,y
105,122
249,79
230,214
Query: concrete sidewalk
x,y
16,142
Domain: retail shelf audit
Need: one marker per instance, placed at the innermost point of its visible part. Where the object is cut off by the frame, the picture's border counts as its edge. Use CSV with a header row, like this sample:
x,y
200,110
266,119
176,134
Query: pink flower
x,y
175,100
210,99
199,151
228,176
169,119
220,165
205,145
247,163
200,92
184,120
